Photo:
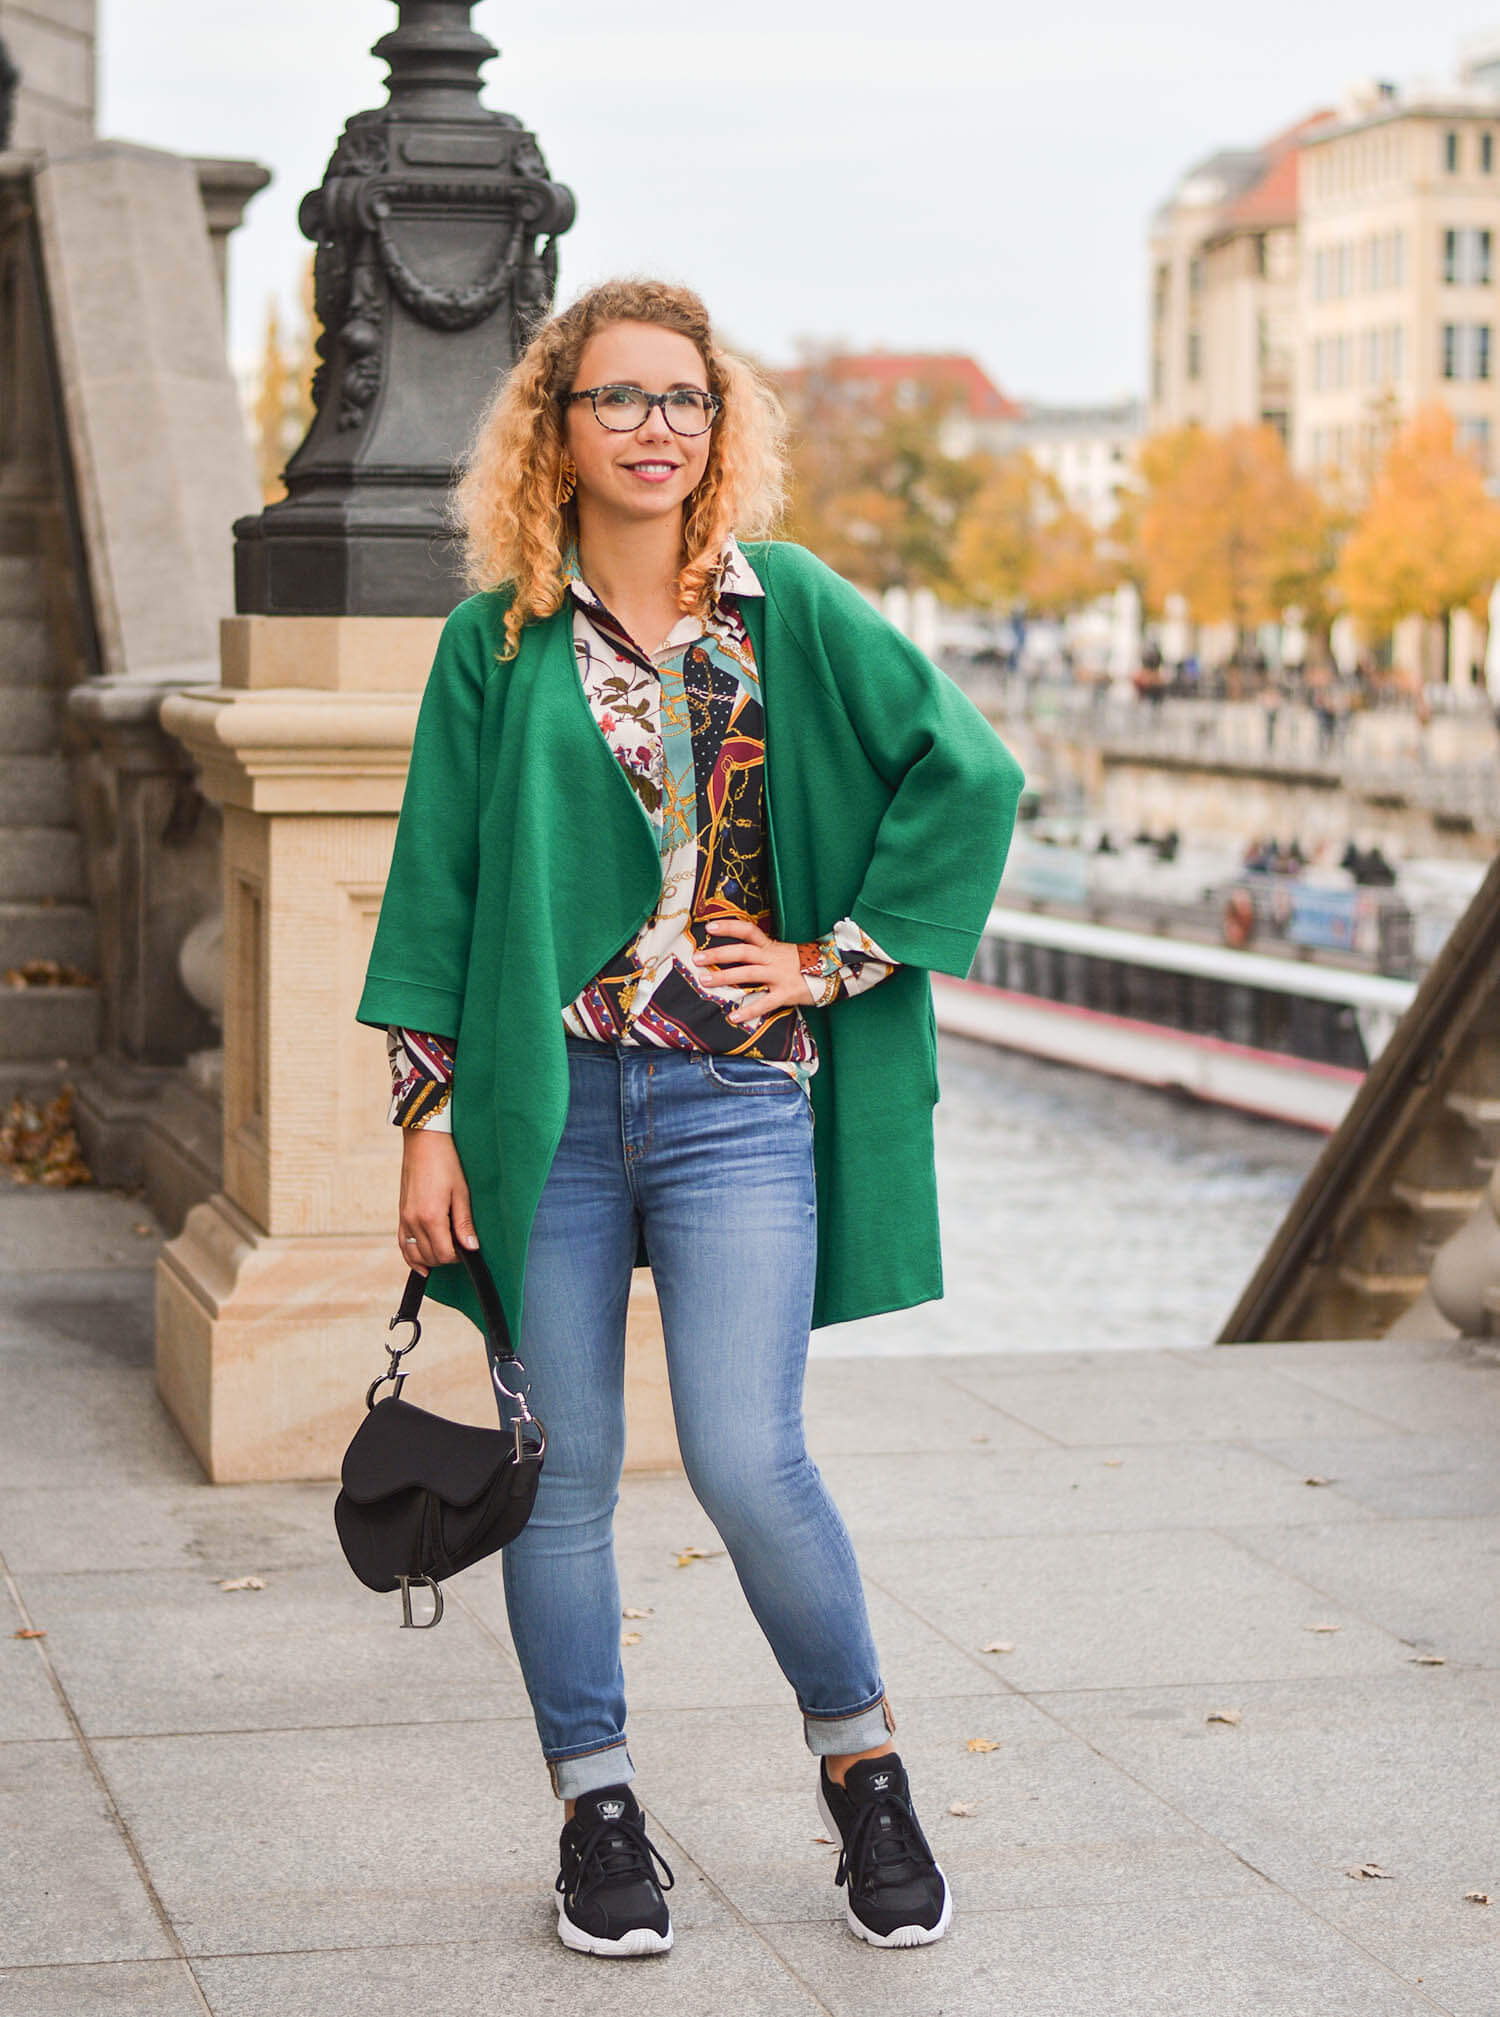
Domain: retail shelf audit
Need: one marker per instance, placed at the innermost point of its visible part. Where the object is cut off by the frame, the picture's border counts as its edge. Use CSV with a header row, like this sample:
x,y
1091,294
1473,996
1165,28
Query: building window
x,y
1369,356
1398,259
1194,354
1486,153
1195,275
1158,377
1467,258
1320,274
1450,152
1466,350
1398,353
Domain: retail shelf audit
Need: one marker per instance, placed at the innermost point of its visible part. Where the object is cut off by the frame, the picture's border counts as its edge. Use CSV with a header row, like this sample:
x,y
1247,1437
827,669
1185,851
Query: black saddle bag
x,y
424,1497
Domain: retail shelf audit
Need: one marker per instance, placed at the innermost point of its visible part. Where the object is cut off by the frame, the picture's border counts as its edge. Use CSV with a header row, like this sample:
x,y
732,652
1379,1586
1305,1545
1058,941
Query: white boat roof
x,y
1307,978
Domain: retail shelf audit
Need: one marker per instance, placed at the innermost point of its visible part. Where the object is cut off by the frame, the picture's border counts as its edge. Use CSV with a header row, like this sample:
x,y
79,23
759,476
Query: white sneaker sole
x,y
639,1940
900,1936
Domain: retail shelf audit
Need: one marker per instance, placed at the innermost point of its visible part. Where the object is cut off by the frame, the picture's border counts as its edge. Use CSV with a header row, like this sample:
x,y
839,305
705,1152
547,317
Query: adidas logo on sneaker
x,y
880,1780
611,1809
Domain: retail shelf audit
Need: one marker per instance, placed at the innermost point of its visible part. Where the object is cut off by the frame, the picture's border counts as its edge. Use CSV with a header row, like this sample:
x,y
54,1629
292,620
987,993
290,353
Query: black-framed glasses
x,y
624,408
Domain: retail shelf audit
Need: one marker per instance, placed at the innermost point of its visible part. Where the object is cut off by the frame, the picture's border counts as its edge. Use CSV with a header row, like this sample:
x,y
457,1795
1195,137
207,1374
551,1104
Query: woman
x,y
686,825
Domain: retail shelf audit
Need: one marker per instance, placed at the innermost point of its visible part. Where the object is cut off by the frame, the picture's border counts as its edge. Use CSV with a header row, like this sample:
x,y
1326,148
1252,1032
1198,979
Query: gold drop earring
x,y
567,479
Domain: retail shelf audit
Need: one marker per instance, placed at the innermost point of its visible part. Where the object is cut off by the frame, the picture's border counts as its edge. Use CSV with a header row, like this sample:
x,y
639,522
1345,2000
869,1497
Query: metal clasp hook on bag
x,y
524,1416
393,1371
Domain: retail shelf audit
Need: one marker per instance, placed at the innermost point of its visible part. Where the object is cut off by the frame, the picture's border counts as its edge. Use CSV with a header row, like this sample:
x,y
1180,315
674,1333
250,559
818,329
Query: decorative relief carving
x,y
350,218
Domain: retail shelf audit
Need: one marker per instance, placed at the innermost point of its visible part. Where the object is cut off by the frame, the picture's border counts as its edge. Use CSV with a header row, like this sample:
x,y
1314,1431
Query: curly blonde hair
x,y
505,505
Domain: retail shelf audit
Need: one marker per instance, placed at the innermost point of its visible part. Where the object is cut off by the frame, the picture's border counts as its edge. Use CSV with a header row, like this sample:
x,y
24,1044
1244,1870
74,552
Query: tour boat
x,y
1284,1035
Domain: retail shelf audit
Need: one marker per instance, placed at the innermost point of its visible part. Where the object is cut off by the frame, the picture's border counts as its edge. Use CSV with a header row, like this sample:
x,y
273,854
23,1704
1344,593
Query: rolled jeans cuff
x,y
587,1771
858,1729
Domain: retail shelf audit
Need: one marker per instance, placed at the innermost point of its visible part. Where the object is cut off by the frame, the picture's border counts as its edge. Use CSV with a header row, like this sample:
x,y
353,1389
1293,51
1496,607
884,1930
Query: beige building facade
x,y
1224,290
1400,231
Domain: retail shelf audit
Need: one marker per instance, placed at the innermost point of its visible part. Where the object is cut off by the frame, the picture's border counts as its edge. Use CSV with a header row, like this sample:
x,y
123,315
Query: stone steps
x,y
20,585
41,861
30,721
25,652
43,1025
35,790
60,931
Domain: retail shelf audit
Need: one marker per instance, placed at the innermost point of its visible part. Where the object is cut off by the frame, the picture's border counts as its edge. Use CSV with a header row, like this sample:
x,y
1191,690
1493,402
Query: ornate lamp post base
x,y
436,227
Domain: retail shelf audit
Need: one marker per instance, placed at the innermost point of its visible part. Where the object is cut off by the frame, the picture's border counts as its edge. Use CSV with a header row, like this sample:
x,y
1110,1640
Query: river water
x,y
1082,1212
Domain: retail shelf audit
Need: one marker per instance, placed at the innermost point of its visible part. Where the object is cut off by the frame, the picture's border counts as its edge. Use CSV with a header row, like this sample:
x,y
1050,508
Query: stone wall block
x,y
154,424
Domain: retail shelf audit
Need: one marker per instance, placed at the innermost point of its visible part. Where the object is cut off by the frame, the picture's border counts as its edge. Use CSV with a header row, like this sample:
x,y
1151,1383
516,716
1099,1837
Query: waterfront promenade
x,y
1249,1592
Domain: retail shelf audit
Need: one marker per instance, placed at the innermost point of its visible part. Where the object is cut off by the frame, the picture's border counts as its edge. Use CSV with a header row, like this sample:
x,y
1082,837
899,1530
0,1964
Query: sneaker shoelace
x,y
611,1852
874,1855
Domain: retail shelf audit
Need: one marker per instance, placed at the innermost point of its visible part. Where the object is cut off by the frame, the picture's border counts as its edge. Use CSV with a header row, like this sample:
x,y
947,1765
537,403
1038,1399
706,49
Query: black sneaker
x,y
897,1895
610,1901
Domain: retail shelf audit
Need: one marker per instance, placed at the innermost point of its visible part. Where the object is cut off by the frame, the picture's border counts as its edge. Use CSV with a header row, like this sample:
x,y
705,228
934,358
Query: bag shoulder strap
x,y
496,1329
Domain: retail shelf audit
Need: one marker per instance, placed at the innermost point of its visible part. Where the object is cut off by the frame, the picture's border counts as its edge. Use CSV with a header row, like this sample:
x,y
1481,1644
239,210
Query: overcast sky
x,y
816,169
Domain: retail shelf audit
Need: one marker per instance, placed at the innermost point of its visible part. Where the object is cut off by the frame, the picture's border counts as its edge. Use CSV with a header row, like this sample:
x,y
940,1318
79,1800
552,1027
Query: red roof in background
x,y
1273,199
885,370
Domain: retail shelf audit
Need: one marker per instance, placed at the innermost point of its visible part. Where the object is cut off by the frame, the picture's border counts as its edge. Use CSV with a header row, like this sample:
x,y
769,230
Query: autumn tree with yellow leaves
x,y
1225,522
1428,542
872,492
282,411
1019,541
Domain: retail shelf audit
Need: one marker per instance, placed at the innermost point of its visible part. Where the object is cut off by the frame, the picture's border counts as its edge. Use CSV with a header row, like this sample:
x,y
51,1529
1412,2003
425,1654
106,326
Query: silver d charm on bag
x,y
420,1624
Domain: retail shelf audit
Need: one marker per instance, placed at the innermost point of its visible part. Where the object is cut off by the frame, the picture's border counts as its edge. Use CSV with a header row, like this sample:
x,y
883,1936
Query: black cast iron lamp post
x,y
436,227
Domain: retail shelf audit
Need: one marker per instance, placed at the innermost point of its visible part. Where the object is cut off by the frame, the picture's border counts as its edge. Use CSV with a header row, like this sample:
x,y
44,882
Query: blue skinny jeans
x,y
711,1157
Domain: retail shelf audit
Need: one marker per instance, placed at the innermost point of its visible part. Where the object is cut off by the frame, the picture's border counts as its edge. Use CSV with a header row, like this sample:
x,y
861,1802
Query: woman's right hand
x,y
434,1201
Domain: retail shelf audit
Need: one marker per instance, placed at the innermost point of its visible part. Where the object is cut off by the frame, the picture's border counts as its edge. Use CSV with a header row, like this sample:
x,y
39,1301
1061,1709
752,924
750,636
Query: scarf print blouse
x,y
686,726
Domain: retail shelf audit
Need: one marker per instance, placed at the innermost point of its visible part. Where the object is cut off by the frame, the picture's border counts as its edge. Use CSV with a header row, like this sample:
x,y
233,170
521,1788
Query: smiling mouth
x,y
653,468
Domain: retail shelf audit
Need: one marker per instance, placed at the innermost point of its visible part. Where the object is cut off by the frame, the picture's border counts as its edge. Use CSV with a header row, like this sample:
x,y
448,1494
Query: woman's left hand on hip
x,y
746,956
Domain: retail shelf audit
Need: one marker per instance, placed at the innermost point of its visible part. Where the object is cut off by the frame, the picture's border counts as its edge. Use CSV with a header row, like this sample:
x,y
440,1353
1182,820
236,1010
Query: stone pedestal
x,y
273,1301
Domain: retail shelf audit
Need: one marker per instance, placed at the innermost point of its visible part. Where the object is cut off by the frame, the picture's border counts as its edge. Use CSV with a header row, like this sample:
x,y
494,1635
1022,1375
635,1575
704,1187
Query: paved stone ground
x,y
274,1801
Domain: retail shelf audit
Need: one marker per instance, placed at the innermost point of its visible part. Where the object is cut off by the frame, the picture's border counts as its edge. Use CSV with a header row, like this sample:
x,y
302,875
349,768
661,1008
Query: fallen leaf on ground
x,y
999,1646
1114,1463
29,1632
979,1439
983,1744
1222,1716
243,1583
143,1230
1429,1659
38,1144
630,1638
824,1840
1366,1870
1476,1897
1322,1628
48,973
687,1555
637,1611
964,1809
1315,1480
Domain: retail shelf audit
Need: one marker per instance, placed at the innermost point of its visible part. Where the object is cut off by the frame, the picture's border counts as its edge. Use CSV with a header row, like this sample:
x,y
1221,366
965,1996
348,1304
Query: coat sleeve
x,y
942,840
419,961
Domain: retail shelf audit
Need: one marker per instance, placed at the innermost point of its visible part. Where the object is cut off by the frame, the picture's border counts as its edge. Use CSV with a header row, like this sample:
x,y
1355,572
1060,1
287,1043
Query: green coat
x,y
524,861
